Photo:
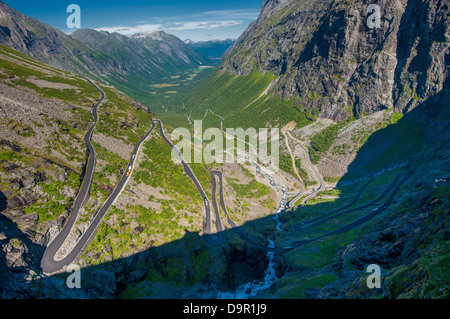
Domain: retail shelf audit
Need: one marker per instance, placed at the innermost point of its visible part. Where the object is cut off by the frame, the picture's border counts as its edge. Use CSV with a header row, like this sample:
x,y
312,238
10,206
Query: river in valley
x,y
251,289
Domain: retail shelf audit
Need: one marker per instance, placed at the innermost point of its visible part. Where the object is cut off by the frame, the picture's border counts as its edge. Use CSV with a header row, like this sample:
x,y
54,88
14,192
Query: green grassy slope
x,y
240,100
46,113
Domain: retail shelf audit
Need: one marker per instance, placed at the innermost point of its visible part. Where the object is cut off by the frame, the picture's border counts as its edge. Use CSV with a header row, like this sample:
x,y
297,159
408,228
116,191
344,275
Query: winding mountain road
x,y
291,203
233,225
212,239
319,177
395,186
48,263
339,212
322,183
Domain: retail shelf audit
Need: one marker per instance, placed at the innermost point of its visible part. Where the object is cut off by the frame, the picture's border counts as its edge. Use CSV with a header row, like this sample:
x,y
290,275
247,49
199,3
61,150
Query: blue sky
x,y
198,20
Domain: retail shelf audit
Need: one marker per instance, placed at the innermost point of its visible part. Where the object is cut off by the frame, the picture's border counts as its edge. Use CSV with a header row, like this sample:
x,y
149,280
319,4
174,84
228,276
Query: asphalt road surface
x,y
292,202
212,239
340,211
48,263
235,227
367,217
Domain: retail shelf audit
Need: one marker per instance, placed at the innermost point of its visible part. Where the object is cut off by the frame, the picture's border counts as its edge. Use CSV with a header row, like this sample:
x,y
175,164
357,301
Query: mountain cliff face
x,y
325,49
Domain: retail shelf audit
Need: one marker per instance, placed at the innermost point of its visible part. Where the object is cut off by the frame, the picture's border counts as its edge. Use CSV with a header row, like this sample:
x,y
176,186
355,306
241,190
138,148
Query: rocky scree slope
x,y
44,114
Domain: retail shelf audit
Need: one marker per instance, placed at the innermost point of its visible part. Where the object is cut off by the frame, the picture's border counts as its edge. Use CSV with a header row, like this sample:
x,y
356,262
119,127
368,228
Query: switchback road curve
x,y
367,217
48,263
338,212
212,239
235,227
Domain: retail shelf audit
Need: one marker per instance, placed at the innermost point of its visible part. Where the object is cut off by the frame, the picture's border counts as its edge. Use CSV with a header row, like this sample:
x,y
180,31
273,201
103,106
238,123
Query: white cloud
x,y
132,30
177,26
195,25
202,20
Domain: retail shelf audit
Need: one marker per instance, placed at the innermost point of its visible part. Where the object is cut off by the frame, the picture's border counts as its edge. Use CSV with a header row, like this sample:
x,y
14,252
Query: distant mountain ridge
x,y
213,49
119,59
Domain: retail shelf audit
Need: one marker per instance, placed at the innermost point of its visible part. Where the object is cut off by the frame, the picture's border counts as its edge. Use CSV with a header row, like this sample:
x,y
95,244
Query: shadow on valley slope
x,y
189,268
3,202
19,256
